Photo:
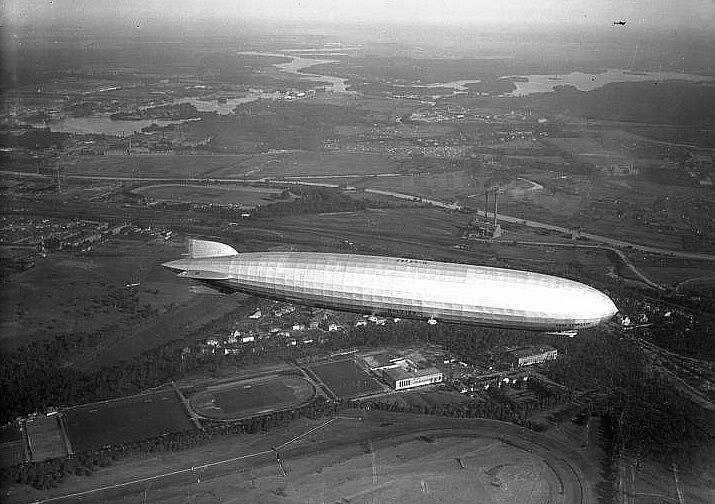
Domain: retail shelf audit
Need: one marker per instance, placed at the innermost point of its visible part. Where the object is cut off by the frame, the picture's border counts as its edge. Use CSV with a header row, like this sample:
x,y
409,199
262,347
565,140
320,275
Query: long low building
x,y
401,287
532,355
400,378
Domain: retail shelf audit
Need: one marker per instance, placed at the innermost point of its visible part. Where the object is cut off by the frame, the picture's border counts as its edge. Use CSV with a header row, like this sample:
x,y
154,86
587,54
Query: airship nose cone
x,y
604,306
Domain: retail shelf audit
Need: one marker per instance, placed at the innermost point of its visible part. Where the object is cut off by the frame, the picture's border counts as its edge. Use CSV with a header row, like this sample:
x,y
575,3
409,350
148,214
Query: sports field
x,y
93,426
246,398
45,438
346,379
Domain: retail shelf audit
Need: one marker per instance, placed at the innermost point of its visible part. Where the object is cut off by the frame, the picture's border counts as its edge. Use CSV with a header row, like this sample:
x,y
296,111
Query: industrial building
x,y
400,378
532,355
401,372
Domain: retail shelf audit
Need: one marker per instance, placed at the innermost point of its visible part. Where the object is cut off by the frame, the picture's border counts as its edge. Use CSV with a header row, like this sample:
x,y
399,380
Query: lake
x,y
588,82
102,124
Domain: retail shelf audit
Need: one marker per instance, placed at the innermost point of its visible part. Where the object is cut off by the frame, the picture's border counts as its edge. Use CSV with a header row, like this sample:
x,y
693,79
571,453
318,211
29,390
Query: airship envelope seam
x,y
447,292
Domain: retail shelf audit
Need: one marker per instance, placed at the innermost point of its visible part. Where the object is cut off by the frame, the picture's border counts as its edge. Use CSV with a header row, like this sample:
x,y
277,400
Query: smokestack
x,y
495,207
486,204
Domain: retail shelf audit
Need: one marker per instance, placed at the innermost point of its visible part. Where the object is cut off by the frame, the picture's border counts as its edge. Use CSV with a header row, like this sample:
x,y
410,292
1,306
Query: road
x,y
616,251
559,229
613,242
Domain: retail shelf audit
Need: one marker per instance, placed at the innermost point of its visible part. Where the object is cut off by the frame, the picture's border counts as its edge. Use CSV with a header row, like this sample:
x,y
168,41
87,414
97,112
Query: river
x,y
297,63
536,84
103,124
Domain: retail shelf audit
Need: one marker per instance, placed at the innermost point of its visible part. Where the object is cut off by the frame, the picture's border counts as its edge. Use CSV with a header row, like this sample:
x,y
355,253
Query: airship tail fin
x,y
199,249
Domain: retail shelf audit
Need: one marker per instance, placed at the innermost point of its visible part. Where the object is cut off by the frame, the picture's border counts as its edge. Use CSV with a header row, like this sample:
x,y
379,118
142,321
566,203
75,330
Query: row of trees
x,y
310,200
50,473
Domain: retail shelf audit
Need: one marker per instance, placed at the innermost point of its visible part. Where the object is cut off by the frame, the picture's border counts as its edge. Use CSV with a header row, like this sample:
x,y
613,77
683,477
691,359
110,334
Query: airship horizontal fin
x,y
199,249
204,275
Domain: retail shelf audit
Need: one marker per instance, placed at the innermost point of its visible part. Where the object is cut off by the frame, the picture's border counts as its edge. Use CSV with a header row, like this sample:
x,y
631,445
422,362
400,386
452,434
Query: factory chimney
x,y
495,207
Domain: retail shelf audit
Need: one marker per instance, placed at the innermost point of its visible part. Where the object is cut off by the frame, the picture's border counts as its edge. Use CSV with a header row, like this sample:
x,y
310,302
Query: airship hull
x,y
407,288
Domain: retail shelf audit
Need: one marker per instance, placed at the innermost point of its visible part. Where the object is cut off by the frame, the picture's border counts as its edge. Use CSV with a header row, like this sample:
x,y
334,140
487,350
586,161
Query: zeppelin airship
x,y
400,287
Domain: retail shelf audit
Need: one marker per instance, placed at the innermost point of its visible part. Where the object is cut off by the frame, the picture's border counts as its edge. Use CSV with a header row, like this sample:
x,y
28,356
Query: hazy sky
x,y
644,14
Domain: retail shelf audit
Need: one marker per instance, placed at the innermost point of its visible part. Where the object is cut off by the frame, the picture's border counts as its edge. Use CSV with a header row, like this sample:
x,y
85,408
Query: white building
x,y
403,378
533,355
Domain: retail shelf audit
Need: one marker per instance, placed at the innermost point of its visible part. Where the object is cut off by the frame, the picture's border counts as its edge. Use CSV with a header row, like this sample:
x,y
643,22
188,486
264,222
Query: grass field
x,y
427,399
92,426
426,469
243,196
45,438
151,166
346,379
307,164
46,299
609,205
252,397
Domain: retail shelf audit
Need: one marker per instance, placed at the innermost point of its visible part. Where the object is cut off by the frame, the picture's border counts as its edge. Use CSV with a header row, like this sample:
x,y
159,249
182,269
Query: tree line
x,y
50,473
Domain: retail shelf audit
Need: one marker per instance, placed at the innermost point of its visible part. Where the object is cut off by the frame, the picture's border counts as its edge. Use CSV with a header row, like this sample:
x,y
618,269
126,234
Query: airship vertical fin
x,y
199,249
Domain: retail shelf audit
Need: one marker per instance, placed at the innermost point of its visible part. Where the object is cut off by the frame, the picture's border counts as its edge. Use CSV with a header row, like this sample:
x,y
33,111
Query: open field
x,y
243,196
576,145
95,425
45,438
48,298
702,286
617,207
379,456
345,378
427,468
251,397
673,272
307,163
426,399
424,233
151,165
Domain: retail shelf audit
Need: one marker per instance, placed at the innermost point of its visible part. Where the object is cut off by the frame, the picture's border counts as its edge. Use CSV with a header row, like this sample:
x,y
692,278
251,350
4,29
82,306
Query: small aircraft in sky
x,y
622,23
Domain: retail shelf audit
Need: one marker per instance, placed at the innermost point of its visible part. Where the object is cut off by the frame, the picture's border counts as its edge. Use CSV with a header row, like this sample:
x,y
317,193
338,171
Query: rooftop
x,y
532,350
400,373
